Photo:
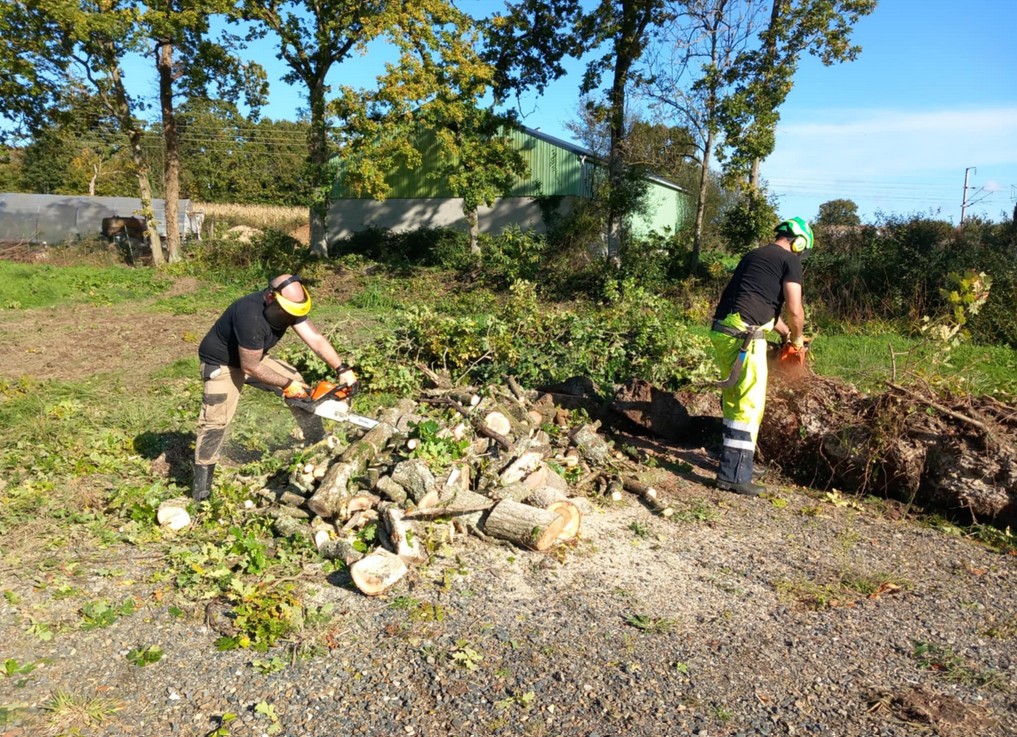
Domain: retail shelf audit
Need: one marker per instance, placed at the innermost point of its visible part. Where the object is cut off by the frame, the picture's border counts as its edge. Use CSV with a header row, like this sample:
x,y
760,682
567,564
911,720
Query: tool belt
x,y
752,332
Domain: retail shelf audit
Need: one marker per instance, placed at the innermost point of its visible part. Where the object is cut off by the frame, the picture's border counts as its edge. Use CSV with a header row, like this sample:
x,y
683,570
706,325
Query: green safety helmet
x,y
798,232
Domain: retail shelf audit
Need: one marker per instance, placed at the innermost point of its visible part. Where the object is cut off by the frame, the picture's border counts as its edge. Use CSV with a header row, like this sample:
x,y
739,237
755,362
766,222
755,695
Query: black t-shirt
x,y
756,291
242,325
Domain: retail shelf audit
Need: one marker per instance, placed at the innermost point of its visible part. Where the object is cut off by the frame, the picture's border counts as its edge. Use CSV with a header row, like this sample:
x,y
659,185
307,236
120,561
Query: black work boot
x,y
201,489
746,489
736,472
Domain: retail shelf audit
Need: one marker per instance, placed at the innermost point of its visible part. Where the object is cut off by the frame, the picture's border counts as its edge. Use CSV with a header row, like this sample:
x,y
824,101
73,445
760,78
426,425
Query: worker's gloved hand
x,y
792,353
295,390
346,377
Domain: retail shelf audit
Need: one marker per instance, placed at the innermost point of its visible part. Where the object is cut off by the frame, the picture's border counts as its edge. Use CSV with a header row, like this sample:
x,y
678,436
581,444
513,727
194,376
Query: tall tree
x,y
763,76
433,93
626,27
314,36
59,42
838,212
687,78
615,33
188,62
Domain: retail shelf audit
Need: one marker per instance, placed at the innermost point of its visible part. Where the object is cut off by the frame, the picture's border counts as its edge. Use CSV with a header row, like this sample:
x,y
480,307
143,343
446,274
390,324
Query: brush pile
x,y
510,467
957,454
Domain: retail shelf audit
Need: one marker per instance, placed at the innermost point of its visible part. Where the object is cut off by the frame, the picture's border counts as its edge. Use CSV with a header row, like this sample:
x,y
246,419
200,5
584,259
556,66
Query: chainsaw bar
x,y
335,409
331,402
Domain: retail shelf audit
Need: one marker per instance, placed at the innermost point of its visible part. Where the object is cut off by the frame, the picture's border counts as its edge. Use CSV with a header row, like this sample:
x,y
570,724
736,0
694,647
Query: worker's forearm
x,y
796,325
262,374
326,352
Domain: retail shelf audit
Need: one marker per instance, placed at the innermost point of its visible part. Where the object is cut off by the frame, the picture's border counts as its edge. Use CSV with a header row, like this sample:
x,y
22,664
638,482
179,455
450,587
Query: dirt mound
x,y
302,234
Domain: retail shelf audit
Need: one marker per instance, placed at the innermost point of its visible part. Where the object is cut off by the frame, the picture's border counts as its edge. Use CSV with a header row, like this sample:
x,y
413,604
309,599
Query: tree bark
x,y
171,142
523,525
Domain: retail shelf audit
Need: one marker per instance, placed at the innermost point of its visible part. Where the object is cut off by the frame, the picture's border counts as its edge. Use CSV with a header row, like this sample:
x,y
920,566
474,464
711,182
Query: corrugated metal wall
x,y
418,198
39,218
553,171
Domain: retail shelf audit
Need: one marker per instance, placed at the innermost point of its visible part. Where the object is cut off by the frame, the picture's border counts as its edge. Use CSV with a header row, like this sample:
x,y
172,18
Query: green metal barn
x,y
559,173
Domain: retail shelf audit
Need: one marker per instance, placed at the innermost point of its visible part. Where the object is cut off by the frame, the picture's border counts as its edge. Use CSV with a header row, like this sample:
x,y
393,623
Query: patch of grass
x,y
954,669
846,590
865,360
700,511
646,623
1004,630
68,713
29,286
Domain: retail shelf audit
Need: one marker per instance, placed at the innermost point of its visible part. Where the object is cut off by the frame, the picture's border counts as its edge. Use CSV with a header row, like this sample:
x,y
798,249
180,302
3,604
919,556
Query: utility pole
x,y
964,200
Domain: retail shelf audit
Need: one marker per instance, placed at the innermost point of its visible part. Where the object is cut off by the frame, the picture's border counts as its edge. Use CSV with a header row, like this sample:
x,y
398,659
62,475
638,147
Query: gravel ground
x,y
698,625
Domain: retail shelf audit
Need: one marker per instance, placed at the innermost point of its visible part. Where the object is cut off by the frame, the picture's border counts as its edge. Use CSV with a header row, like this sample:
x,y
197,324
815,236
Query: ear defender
x,y
798,232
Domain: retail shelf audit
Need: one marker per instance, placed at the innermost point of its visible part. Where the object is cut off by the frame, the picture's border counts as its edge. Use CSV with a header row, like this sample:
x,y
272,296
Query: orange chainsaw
x,y
332,401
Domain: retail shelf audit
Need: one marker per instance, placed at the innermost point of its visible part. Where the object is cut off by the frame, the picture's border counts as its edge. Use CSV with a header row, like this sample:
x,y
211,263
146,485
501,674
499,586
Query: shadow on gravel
x,y
341,579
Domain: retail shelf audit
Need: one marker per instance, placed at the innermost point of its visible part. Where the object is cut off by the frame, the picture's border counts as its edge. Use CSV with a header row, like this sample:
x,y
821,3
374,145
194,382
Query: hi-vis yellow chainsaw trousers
x,y
743,403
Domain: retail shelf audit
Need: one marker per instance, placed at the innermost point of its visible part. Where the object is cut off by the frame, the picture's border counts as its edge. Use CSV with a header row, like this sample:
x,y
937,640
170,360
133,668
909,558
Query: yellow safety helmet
x,y
296,309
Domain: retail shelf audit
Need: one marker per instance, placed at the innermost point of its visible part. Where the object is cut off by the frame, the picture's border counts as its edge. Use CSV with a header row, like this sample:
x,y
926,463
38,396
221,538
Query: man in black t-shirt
x,y
234,352
766,283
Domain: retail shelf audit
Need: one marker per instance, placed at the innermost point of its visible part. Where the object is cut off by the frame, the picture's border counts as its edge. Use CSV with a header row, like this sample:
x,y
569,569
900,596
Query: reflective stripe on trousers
x,y
743,403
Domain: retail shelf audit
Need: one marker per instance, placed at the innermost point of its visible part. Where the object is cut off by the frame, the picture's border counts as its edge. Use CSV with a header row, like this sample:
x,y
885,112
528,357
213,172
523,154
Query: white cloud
x,y
888,143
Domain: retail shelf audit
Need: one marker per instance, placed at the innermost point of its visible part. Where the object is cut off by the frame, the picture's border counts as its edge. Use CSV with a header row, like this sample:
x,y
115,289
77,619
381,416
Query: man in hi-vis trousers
x,y
766,285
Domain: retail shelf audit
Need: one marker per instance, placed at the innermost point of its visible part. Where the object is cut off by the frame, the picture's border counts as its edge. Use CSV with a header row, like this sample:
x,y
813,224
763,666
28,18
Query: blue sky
x,y
933,93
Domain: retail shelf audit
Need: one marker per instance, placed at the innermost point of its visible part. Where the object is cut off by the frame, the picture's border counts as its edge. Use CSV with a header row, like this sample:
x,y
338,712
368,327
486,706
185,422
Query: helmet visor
x,y
298,308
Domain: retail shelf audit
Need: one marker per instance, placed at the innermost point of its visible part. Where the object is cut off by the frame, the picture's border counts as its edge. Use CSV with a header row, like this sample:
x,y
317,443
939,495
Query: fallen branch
x,y
941,408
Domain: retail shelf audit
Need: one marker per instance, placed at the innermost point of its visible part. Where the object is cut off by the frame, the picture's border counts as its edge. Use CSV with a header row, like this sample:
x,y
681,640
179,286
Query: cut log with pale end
x,y
360,519
537,478
523,525
173,514
649,495
498,422
525,464
360,502
573,518
405,541
571,458
378,571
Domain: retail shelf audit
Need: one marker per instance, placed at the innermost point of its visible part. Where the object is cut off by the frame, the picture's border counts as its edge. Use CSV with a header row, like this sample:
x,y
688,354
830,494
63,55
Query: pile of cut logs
x,y
508,484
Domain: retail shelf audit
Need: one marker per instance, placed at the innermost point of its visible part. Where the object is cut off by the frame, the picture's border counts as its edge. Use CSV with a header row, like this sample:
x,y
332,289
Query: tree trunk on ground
x,y
526,526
